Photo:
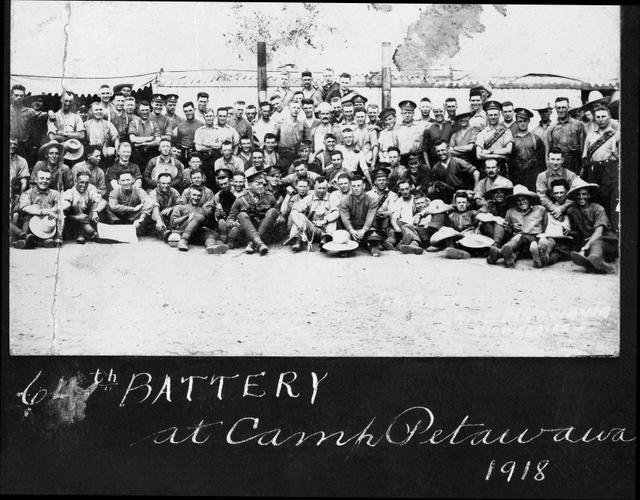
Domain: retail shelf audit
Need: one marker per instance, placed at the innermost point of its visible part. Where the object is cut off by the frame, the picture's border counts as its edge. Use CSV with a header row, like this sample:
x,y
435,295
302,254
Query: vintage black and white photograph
x,y
314,179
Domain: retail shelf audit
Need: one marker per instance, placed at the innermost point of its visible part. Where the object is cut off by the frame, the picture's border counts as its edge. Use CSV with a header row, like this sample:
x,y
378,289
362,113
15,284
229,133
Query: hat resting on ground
x,y
520,190
444,233
579,184
438,207
73,149
43,227
476,241
44,149
341,242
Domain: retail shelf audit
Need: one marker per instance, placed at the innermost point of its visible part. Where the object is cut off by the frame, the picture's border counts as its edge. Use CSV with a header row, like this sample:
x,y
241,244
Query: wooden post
x,y
262,72
386,74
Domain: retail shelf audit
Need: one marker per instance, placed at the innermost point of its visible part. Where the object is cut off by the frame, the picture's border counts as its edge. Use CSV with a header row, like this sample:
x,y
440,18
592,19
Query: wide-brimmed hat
x,y
44,149
596,97
578,184
251,173
474,241
555,231
444,233
120,86
483,86
43,227
341,242
548,107
505,185
73,149
463,114
489,217
438,207
520,190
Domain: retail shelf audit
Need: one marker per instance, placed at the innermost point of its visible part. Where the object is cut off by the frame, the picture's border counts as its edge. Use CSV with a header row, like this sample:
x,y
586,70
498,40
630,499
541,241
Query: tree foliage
x,y
292,25
437,33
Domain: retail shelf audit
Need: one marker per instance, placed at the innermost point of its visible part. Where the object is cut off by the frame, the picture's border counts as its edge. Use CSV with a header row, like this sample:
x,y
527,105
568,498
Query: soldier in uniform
x,y
495,140
409,132
568,135
528,157
462,143
386,200
255,214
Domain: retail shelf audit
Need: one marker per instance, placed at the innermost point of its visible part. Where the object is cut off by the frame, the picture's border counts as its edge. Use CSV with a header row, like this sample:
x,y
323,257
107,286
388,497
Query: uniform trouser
x,y
520,243
573,161
14,231
383,226
265,227
410,234
605,174
195,232
493,230
604,248
558,250
208,167
112,217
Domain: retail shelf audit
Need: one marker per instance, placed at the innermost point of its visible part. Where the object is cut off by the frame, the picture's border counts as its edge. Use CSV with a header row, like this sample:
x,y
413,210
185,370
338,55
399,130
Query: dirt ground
x,y
150,299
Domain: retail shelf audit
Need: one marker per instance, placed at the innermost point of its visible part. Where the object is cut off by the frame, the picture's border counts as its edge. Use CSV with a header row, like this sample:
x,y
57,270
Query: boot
x,y
507,253
262,248
183,245
456,253
412,247
375,251
250,248
581,260
494,255
215,247
600,266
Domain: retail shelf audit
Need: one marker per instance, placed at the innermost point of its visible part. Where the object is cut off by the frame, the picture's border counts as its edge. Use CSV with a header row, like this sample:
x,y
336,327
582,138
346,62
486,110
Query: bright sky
x,y
127,38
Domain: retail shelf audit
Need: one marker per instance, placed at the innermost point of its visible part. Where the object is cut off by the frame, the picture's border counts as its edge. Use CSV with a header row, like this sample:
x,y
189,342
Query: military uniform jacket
x,y
256,208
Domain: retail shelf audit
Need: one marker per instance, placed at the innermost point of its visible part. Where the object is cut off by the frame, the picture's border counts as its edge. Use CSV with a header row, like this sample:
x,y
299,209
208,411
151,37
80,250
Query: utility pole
x,y
262,72
386,74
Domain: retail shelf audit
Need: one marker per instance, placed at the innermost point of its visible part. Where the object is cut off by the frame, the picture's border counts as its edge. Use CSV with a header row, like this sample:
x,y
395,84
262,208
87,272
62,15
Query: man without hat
x,y
65,124
601,161
450,174
128,203
91,166
528,157
309,90
188,220
102,133
106,94
435,131
478,118
82,205
424,106
357,212
555,170
366,138
163,198
42,203
23,121
163,163
123,163
387,137
508,116
543,125
556,243
144,135
313,218
184,133
331,88
568,135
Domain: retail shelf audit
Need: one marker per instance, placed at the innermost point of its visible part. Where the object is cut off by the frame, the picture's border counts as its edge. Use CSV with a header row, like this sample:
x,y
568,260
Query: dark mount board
x,y
110,450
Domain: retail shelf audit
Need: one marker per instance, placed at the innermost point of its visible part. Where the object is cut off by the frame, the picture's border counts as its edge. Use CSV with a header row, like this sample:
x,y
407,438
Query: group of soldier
x,y
321,165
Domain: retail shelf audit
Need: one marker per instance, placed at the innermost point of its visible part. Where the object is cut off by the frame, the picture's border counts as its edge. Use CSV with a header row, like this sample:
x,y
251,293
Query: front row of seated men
x,y
504,222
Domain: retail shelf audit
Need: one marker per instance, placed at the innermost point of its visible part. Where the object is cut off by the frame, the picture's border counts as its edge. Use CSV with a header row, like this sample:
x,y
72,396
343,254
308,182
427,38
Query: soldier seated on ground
x,y
39,217
128,203
188,220
525,222
598,244
82,205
